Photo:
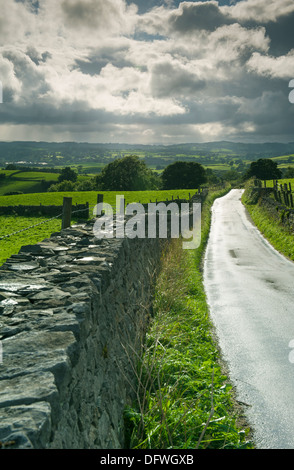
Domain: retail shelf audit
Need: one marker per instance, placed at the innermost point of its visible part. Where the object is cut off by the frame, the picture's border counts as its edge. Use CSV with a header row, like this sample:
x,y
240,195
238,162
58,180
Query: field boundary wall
x,y
74,311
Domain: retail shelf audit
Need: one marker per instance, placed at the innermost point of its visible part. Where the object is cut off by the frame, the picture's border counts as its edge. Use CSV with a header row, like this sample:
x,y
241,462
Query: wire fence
x,y
41,223
61,215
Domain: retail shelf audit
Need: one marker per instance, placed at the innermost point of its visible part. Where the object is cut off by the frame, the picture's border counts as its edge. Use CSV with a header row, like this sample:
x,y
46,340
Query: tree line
x,y
132,174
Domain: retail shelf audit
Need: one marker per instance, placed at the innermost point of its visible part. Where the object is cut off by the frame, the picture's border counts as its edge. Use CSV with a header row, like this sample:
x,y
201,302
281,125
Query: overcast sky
x,y
146,71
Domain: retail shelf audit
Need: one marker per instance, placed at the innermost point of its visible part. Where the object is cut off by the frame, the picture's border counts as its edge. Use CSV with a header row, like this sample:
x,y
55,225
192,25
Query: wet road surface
x,y
250,291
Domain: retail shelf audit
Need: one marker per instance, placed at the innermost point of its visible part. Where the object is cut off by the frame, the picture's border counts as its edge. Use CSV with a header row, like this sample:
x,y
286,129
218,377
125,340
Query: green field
x,y
270,183
284,161
286,158
91,197
10,224
218,167
24,181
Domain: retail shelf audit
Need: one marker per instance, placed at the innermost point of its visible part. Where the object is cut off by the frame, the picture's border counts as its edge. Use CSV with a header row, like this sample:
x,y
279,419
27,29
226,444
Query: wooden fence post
x,y
99,201
66,213
99,198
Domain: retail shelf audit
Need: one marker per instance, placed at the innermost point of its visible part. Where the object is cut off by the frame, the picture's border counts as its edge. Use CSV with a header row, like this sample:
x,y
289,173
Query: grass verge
x,y
183,399
273,230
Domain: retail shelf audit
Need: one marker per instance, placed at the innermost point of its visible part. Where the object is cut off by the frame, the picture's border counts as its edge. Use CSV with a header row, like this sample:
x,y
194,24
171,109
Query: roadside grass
x,y
184,401
273,230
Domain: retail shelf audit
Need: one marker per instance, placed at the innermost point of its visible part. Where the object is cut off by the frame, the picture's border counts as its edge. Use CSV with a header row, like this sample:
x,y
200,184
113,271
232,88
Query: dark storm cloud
x,y
97,15
198,16
27,73
46,113
168,79
97,60
281,34
79,13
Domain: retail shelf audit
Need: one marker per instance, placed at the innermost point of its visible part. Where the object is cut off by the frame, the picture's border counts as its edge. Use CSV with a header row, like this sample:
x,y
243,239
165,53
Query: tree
x,y
264,169
183,175
11,166
231,175
128,174
67,174
289,173
63,186
211,177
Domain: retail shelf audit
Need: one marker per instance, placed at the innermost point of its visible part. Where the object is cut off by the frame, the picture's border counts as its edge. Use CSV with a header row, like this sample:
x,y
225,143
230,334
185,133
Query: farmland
x,y
25,181
87,160
91,197
11,224
224,160
282,181
11,245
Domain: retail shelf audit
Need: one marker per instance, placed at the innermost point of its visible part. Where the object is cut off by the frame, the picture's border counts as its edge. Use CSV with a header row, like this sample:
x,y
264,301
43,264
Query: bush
x,y
128,174
183,175
264,169
13,193
67,174
63,186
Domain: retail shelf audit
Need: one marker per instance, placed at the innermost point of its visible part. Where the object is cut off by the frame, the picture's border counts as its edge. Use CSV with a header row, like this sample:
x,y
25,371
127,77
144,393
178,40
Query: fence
x,y
50,210
282,192
65,213
67,210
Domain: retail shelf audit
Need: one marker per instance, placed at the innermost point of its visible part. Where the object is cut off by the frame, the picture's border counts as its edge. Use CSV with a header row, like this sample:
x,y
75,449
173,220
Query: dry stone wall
x,y
277,210
73,312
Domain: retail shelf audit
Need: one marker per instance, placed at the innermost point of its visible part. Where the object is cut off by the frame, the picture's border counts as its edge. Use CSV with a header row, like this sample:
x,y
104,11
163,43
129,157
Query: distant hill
x,y
60,153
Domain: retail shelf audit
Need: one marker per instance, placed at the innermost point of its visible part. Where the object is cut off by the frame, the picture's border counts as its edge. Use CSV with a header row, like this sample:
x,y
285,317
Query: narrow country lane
x,y
250,292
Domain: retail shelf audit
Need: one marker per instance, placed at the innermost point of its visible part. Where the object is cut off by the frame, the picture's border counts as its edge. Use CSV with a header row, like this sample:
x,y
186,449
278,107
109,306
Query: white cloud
x,y
273,67
259,10
171,73
16,21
